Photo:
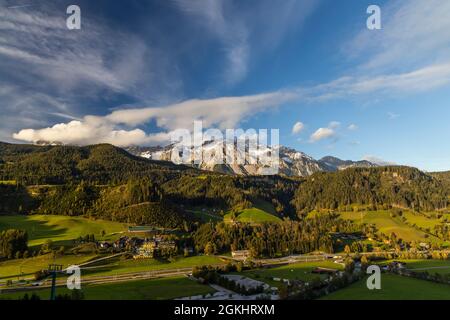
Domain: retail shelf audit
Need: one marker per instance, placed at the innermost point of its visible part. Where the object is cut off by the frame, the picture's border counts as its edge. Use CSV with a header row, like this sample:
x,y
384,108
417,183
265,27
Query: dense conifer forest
x,y
379,187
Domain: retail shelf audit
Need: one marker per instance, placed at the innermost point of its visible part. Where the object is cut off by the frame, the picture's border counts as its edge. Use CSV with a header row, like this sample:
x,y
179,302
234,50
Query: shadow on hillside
x,y
36,229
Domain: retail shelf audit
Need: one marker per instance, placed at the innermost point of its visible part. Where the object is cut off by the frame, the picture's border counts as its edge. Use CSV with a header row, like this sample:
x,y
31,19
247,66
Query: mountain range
x,y
291,162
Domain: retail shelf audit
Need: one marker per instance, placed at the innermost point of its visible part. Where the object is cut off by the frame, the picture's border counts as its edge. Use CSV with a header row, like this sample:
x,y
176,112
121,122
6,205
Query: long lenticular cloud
x,y
225,112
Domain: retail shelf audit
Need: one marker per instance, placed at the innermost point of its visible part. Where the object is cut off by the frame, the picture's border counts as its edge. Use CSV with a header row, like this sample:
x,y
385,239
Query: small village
x,y
148,243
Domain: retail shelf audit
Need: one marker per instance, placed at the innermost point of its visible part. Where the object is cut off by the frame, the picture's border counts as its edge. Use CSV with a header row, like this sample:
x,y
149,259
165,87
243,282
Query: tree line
x,y
13,242
272,239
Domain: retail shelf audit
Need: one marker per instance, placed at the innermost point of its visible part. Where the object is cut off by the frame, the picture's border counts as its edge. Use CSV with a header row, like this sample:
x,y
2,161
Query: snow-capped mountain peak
x,y
216,155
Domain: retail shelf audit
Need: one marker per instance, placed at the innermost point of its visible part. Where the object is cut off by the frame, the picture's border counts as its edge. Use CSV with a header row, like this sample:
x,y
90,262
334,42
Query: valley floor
x,y
394,287
172,287
119,278
157,289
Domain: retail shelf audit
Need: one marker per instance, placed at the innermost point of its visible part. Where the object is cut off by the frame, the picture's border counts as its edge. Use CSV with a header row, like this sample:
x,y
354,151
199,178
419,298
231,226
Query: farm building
x,y
240,254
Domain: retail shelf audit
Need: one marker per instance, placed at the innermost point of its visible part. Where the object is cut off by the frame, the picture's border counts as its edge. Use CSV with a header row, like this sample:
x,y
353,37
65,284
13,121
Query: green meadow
x,y
386,224
9,182
421,220
117,266
62,230
394,287
252,215
155,289
25,268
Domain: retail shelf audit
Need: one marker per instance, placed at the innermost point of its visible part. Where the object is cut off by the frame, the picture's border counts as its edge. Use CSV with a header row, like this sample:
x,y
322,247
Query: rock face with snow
x,y
339,164
228,158
296,163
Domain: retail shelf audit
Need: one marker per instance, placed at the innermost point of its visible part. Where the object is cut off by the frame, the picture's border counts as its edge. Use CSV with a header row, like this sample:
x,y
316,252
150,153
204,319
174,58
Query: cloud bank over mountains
x,y
223,113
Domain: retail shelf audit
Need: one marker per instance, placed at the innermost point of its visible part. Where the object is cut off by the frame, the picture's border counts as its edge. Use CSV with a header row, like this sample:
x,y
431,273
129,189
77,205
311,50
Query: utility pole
x,y
54,269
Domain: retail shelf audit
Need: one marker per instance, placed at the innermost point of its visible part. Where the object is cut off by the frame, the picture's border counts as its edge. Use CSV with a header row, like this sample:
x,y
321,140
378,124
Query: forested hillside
x,y
444,178
288,237
378,187
100,164
107,182
15,199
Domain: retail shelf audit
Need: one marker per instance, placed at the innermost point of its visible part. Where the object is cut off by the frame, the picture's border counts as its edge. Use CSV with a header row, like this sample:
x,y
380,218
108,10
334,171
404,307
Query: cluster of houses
x,y
143,247
156,247
122,243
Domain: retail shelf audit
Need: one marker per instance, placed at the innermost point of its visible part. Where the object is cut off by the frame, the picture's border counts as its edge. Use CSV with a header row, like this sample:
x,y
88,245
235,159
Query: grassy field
x,y
394,287
13,268
155,289
295,271
117,266
253,215
421,220
430,265
9,182
60,229
262,211
386,224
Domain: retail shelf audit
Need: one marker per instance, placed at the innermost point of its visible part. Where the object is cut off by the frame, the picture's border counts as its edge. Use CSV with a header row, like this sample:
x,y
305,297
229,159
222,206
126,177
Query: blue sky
x,y
138,70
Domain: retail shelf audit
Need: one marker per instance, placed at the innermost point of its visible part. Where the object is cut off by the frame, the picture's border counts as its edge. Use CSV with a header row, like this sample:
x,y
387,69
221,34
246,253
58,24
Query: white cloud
x,y
38,41
413,33
352,127
334,125
24,108
91,131
392,115
325,133
418,80
298,127
224,113
322,133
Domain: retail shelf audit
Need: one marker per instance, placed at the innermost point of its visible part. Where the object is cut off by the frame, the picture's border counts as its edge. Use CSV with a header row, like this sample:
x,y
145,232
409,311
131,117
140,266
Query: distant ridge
x,y
293,163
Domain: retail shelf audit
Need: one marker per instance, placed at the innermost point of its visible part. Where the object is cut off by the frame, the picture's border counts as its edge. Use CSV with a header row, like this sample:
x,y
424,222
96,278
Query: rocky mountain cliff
x,y
292,162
